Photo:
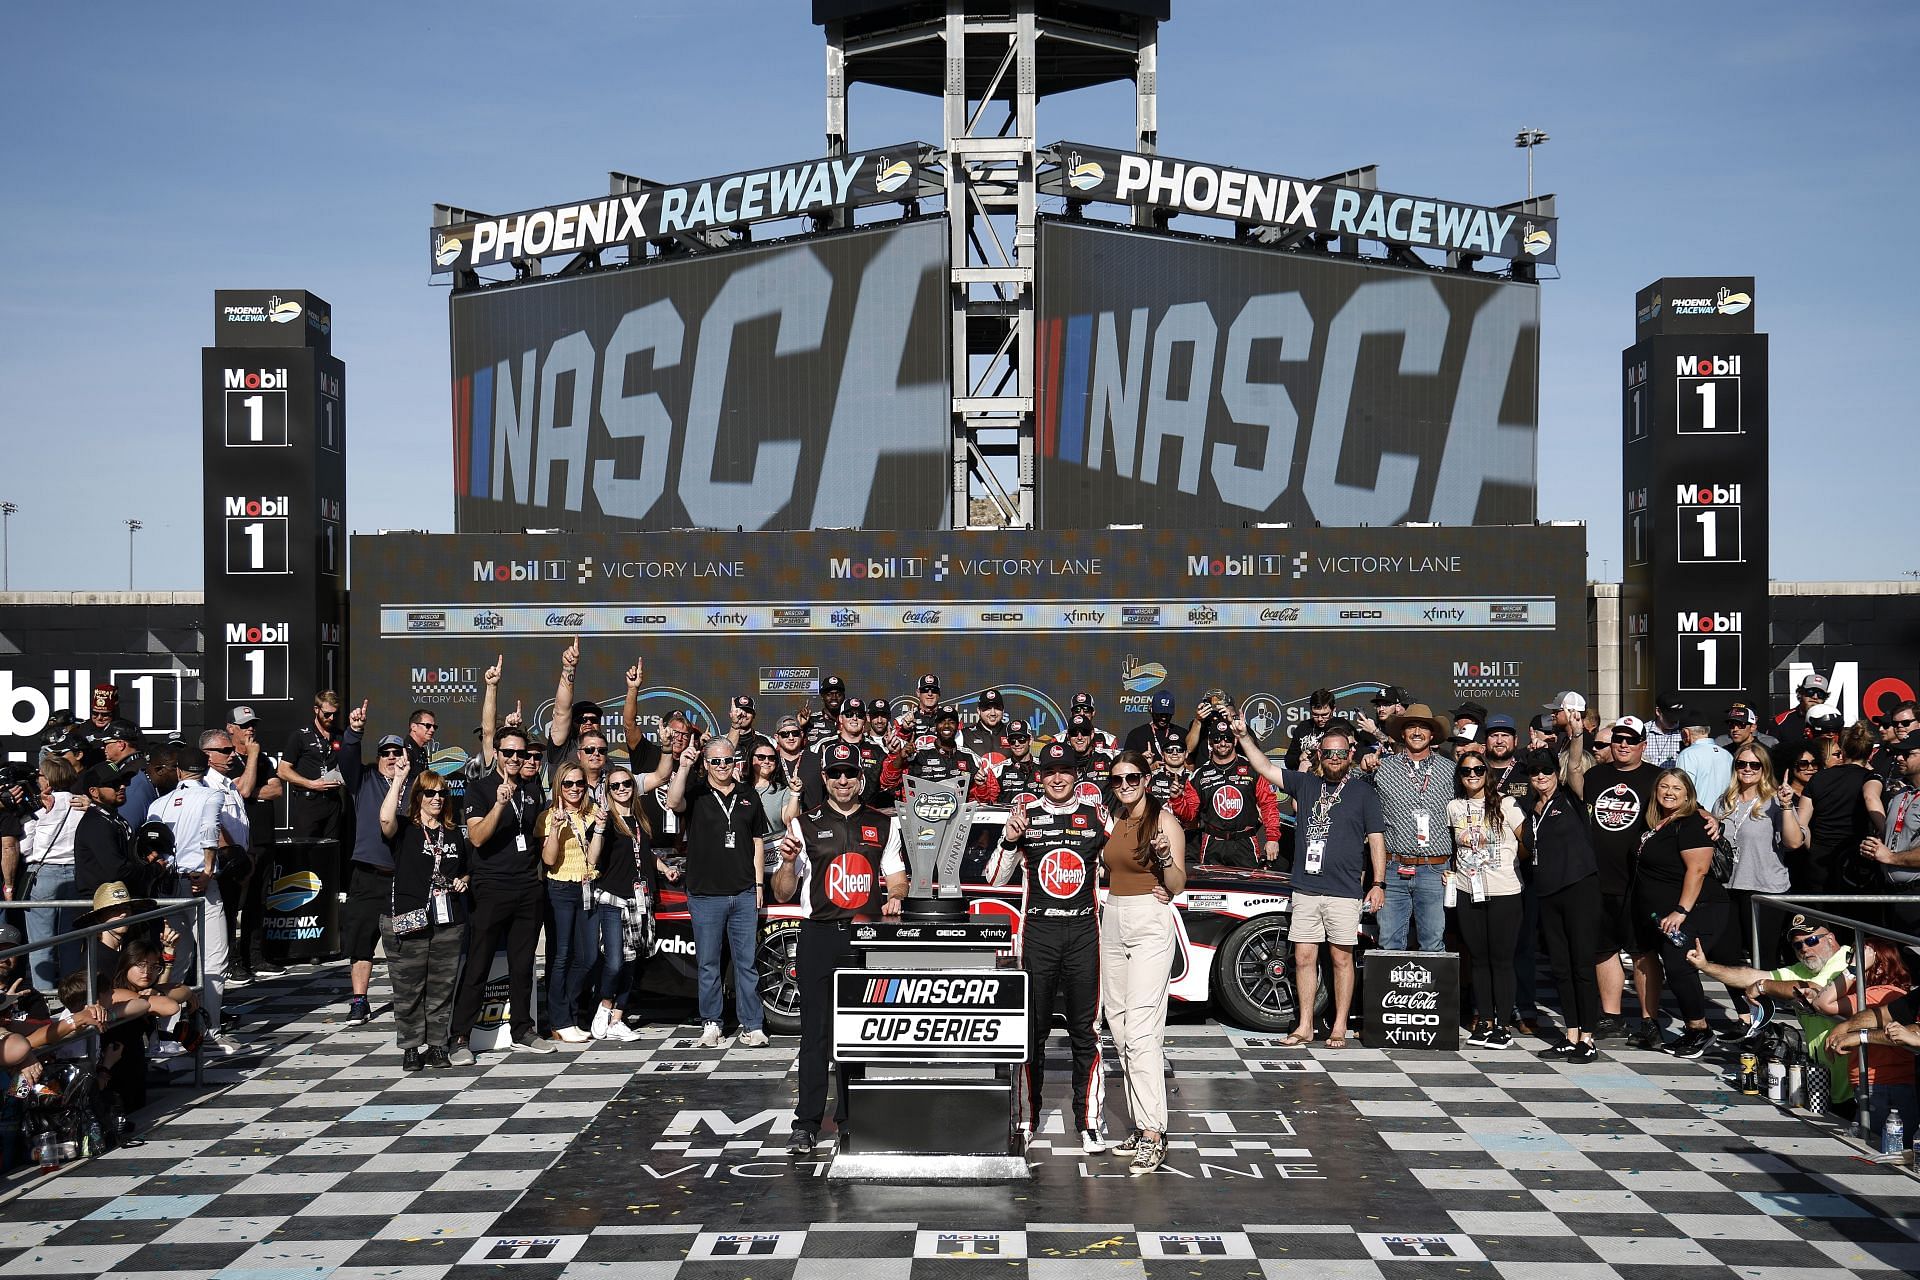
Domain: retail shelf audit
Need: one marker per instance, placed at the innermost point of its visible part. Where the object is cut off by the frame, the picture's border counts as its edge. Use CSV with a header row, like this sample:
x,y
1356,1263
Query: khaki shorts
x,y
1322,918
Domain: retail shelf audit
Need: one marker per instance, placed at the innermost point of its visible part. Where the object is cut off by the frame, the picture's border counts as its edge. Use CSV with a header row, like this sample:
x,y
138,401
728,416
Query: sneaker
x,y
1609,1026
619,1030
1527,1024
571,1035
1496,1037
437,1058
359,1011
412,1060
265,968
1559,1051
1090,1142
800,1142
1478,1036
598,1030
1583,1053
166,1049
1126,1146
221,1043
1647,1036
1152,1153
754,1039
710,1036
461,1056
239,975
532,1043
1691,1044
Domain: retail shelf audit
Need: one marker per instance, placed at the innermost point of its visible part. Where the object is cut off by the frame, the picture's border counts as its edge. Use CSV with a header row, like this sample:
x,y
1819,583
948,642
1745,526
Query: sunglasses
x,y
433,793
766,759
1626,742
1806,764
1474,771
227,751
428,725
625,784
1544,773
1335,753
1019,737
1908,723
387,753
842,773
1810,940
513,753
789,733
593,751
1128,779
721,762
1747,766
573,783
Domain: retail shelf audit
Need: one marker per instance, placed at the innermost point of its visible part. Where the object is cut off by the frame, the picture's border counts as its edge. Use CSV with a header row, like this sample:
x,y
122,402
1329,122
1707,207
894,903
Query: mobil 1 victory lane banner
x,y
1201,384
782,191
793,386
1263,616
1084,172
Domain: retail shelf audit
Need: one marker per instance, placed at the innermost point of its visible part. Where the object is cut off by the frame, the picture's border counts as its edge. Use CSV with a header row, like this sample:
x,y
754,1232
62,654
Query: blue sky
x,y
156,152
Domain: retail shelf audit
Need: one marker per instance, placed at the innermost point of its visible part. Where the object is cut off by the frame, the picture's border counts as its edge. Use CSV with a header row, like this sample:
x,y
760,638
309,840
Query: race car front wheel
x,y
1253,977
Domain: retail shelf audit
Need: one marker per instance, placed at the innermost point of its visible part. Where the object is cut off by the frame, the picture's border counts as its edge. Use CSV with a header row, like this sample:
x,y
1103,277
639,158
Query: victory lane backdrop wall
x,y
51,656
1264,615
787,387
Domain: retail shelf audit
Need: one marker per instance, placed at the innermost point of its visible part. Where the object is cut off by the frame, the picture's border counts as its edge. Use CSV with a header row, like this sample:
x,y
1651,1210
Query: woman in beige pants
x,y
1145,862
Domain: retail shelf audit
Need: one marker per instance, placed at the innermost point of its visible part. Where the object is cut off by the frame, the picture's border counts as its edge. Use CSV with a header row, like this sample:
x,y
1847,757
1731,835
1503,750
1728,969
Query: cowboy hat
x,y
1419,713
113,899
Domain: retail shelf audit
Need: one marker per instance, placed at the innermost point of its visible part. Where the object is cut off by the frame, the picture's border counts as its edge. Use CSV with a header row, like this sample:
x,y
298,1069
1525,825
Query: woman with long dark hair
x,y
426,919
1847,808
1146,866
572,839
1483,887
1676,900
1566,880
620,898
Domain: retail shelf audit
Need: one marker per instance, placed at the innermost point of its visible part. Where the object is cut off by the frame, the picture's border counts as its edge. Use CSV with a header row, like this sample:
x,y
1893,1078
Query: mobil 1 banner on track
x,y
1261,616
787,387
1203,384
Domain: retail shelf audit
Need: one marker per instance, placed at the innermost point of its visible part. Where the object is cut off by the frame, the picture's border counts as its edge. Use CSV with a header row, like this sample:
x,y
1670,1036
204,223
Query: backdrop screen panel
x,y
1265,616
1197,384
794,386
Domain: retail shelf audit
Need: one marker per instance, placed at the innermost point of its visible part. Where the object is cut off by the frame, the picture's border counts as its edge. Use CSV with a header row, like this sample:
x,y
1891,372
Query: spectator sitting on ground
x,y
1821,959
1889,1066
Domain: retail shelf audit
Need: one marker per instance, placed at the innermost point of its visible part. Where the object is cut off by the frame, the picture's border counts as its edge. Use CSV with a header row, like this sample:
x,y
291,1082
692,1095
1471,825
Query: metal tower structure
x,y
990,62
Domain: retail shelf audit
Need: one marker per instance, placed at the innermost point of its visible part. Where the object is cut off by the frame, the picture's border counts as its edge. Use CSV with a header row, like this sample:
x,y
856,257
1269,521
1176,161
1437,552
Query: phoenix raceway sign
x,y
785,191
794,386
1084,172
1206,385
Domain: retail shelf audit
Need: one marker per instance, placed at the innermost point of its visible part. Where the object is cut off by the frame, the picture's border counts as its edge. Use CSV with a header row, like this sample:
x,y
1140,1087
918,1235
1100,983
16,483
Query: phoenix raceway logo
x,y
1535,241
1138,678
277,310
1724,302
1084,175
891,175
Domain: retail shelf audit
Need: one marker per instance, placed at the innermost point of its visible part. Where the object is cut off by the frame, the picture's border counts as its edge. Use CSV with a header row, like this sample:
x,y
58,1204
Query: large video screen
x,y
1196,384
797,386
1265,616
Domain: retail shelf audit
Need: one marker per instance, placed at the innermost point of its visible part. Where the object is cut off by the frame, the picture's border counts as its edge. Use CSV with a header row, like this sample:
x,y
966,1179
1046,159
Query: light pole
x,y
133,527
1527,140
6,545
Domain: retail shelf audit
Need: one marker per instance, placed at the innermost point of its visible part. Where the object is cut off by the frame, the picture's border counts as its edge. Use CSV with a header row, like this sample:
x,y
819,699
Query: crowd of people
x,y
1626,846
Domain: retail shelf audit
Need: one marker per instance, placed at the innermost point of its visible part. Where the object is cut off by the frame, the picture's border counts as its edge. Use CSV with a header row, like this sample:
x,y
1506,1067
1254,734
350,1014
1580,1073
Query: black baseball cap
x,y
1083,700
853,707
108,775
876,706
1079,725
1173,742
992,698
744,703
1018,729
946,711
1056,756
930,683
841,758
833,684
1470,711
116,732
1220,731
1669,703
1391,695
1909,743
1543,722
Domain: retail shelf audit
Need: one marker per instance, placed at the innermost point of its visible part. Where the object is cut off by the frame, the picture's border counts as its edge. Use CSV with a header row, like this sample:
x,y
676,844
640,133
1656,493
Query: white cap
x,y
1568,701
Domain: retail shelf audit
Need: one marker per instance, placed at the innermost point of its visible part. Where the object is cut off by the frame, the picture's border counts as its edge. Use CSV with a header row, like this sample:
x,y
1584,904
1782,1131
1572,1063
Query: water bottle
x,y
1796,1081
1893,1138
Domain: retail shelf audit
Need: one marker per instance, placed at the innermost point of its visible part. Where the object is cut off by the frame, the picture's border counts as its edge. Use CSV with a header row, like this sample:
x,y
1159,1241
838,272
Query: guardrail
x,y
1814,906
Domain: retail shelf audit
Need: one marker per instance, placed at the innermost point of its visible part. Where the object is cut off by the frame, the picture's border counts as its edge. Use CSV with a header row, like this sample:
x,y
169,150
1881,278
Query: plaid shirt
x,y
1662,747
1408,789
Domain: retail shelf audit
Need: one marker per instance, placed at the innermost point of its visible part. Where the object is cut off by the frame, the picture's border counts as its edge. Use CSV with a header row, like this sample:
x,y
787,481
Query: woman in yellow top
x,y
571,834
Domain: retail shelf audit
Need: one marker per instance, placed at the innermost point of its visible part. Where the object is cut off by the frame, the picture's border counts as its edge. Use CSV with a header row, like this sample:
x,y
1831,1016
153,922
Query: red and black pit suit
x,y
1174,789
1018,775
842,867
988,743
937,765
1060,943
1237,807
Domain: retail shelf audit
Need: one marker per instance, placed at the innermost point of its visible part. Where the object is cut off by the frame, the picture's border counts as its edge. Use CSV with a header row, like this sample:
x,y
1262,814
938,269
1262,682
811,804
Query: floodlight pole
x,y
1527,140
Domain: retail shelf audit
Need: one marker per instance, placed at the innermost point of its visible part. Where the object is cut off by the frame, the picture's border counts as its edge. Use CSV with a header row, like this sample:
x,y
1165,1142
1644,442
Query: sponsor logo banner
x,y
930,1014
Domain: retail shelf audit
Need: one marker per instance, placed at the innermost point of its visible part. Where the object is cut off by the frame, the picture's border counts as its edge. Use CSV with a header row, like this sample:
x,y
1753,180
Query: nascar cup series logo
x,y
849,881
1062,872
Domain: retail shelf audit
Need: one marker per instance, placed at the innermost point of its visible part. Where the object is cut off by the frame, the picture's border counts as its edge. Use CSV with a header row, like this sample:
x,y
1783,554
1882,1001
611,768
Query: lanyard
x,y
727,806
1425,775
1906,802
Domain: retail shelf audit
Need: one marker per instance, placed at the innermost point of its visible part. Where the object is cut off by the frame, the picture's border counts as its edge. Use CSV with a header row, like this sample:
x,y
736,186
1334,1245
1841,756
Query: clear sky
x,y
156,152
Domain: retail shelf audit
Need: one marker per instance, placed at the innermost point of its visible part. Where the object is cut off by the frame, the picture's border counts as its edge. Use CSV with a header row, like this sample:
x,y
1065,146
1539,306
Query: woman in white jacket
x,y
46,860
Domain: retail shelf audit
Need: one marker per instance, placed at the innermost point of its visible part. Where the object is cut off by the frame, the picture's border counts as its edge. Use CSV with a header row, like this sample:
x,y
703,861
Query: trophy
x,y
934,824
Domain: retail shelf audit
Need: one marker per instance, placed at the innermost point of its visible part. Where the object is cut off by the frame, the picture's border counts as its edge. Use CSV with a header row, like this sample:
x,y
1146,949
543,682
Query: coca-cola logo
x,y
1423,1001
1062,872
571,620
1228,802
849,881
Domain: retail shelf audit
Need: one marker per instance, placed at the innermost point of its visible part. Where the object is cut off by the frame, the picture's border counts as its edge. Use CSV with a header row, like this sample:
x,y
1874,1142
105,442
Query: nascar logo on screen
x,y
930,1014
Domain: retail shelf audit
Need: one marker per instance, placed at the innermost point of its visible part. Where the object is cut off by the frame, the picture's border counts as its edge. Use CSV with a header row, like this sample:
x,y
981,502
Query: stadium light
x,y
6,545
133,527
1527,140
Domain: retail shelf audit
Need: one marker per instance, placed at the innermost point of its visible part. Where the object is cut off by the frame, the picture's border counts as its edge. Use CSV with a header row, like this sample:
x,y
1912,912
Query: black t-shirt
x,y
1557,836
312,753
1839,806
1141,735
624,861
1617,802
720,835
510,859
1662,870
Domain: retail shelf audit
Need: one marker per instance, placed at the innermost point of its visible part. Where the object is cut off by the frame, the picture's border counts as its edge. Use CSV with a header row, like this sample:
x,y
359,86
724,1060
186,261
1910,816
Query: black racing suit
x,y
813,786
821,725
1060,944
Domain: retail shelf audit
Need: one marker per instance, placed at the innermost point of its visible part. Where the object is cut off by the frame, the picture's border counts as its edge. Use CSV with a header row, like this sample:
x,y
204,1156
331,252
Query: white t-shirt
x,y
1492,844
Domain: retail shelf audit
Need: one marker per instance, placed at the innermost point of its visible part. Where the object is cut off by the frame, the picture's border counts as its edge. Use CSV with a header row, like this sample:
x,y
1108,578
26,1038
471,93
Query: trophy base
x,y
934,910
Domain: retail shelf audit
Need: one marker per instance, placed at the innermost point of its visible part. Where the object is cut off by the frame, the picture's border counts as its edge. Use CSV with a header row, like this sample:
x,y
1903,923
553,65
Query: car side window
x,y
982,838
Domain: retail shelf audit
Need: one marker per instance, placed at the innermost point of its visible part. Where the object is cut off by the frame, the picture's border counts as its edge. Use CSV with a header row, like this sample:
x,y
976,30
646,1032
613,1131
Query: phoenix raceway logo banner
x,y
1208,385
792,387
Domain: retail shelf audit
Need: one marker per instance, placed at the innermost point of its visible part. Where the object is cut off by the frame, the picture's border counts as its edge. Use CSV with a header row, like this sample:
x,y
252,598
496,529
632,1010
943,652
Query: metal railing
x,y
195,907
1813,906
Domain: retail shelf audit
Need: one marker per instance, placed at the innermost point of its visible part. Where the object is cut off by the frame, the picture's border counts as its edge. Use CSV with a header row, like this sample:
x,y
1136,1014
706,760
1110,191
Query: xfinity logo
x,y
1232,566
1438,614
520,570
1708,623
256,506
891,567
257,632
1708,366
1707,495
254,379
1077,617
719,618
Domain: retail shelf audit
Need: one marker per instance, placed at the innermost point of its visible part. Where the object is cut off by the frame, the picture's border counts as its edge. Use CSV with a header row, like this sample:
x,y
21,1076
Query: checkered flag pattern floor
x,y
314,1157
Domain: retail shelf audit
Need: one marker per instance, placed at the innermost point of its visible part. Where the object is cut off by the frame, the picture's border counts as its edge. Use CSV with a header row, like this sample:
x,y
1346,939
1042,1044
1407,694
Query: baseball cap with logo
x,y
1815,682
853,707
842,759
1392,695
1826,716
1568,700
992,698
930,683
1079,725
240,716
1083,701
1741,713
833,684
109,775
1220,731
788,724
113,899
1163,704
1501,722
876,706
1633,726
1800,925
1018,729
946,711
1056,756
744,703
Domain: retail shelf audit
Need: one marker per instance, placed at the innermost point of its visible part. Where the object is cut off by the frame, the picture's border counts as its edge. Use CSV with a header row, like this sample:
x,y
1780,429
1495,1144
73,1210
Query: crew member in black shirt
x,y
310,770
824,723
844,860
942,760
1618,796
503,826
1566,878
102,840
852,732
1676,900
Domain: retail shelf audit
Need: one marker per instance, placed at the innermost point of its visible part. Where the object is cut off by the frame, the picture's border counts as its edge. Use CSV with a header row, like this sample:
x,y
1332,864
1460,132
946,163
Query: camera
x,y
19,790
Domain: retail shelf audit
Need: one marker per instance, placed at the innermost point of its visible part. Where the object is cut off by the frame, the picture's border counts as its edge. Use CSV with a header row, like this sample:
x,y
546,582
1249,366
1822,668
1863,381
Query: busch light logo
x,y
1409,974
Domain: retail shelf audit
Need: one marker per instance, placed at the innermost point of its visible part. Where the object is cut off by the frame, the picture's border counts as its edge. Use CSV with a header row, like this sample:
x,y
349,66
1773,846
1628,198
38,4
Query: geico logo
x,y
1003,617
254,379
1410,1019
676,946
1708,623
645,619
1709,366
1697,495
256,506
1361,613
257,633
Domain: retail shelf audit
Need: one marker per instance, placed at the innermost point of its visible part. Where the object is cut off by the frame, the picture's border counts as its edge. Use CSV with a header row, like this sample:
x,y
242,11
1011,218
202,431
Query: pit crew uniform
x,y
1060,943
937,765
842,867
1174,789
1236,807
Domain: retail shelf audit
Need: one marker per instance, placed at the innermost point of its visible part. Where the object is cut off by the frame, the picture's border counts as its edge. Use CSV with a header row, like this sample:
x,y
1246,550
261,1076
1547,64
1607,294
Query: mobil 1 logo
x,y
256,534
1709,656
1707,524
258,661
255,406
1707,395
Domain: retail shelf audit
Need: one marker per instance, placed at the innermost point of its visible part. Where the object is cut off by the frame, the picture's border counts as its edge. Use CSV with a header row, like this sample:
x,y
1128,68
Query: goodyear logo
x,y
291,892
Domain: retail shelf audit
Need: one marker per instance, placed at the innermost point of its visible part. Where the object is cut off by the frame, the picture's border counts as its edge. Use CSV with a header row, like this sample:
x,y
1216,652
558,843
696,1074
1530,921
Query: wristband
x,y
1008,845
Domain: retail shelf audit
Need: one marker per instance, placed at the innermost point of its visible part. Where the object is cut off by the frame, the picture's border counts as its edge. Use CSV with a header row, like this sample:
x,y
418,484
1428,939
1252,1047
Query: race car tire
x,y
1253,977
779,961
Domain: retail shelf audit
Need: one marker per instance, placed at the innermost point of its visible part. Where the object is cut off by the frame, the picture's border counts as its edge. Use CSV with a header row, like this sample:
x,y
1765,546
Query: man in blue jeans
x,y
1414,785
725,879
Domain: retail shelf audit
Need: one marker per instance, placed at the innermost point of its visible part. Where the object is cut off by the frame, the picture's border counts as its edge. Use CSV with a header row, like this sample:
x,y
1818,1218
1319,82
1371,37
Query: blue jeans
x,y
50,884
572,952
1420,898
736,920
605,924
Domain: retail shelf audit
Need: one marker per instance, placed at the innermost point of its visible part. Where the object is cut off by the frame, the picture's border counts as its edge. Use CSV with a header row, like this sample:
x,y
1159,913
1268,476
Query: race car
x,y
1231,941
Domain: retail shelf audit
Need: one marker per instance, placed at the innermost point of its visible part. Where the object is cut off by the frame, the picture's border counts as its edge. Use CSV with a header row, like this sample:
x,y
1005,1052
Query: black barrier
x,y
1412,1000
301,920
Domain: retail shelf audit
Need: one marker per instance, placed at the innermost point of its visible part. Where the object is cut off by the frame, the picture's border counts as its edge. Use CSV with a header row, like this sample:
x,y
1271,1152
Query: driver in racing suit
x,y
1237,805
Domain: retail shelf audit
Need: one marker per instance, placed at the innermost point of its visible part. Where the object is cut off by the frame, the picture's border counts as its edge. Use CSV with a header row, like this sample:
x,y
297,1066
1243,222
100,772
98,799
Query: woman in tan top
x,y
1145,862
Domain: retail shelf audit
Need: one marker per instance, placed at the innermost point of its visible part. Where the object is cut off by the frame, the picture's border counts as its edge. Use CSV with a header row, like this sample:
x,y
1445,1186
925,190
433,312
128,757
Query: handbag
x,y
1723,859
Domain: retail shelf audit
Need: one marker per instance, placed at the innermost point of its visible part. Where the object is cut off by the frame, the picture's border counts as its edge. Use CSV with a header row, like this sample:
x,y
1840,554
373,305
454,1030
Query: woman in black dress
x,y
620,900
1676,900
1566,881
426,920
1844,805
